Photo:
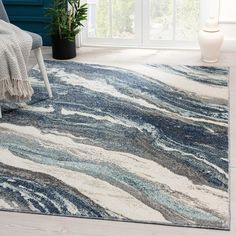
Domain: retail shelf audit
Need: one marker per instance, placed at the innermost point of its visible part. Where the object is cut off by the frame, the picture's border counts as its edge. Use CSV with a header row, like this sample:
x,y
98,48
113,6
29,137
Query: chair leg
x,y
0,112
39,57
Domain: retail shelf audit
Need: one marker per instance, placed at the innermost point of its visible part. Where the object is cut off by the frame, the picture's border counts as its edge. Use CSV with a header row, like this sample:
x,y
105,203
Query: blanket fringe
x,y
15,90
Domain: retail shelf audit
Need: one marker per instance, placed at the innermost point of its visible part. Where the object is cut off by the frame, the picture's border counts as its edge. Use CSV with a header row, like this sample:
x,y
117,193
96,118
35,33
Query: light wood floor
x,y
12,224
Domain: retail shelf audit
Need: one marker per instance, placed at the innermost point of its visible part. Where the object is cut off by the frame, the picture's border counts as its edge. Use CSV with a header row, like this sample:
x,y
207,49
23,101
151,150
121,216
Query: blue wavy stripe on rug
x,y
144,143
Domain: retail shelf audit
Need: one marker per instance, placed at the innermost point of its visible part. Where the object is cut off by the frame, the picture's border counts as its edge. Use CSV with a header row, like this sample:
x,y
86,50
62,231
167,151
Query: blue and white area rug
x,y
142,143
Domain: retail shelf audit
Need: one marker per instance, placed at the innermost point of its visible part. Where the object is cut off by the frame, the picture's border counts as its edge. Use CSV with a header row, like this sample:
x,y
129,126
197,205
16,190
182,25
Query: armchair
x,y
36,47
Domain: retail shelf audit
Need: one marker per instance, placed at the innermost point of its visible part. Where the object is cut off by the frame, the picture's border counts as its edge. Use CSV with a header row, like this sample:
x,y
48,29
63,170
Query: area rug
x,y
141,143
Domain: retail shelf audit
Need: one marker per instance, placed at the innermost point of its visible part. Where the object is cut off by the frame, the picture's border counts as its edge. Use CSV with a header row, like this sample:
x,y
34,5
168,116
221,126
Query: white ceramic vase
x,y
210,40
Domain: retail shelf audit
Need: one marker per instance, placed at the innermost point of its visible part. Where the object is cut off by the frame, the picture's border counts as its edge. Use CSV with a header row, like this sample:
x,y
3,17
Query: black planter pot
x,y
63,49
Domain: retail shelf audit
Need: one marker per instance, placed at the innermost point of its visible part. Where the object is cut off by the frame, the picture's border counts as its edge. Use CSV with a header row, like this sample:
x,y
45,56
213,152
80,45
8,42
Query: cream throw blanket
x,y
15,47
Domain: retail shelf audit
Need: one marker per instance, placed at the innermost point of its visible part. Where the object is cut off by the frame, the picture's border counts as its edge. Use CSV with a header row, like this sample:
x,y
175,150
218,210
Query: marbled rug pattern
x,y
115,143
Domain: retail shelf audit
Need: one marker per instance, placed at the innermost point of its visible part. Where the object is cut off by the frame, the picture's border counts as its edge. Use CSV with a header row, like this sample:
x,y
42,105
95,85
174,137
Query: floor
x,y
26,224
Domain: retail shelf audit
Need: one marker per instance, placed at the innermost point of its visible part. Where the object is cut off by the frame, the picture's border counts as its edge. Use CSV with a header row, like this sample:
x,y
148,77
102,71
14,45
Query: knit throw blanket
x,y
15,47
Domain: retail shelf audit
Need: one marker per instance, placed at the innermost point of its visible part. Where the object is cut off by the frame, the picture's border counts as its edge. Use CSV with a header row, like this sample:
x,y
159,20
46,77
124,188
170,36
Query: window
x,y
146,23
170,23
112,21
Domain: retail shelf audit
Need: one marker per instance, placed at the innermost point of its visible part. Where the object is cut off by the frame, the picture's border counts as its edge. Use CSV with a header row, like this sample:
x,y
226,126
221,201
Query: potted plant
x,y
66,22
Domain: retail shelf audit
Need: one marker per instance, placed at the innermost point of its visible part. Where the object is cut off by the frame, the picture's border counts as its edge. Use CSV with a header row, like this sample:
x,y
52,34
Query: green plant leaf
x,y
64,23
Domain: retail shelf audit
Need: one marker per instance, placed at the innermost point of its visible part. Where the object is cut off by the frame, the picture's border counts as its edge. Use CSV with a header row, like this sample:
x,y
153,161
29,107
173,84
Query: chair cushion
x,y
37,40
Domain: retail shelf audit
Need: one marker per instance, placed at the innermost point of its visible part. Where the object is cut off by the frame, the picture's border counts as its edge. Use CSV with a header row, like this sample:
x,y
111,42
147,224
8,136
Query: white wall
x,y
227,18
